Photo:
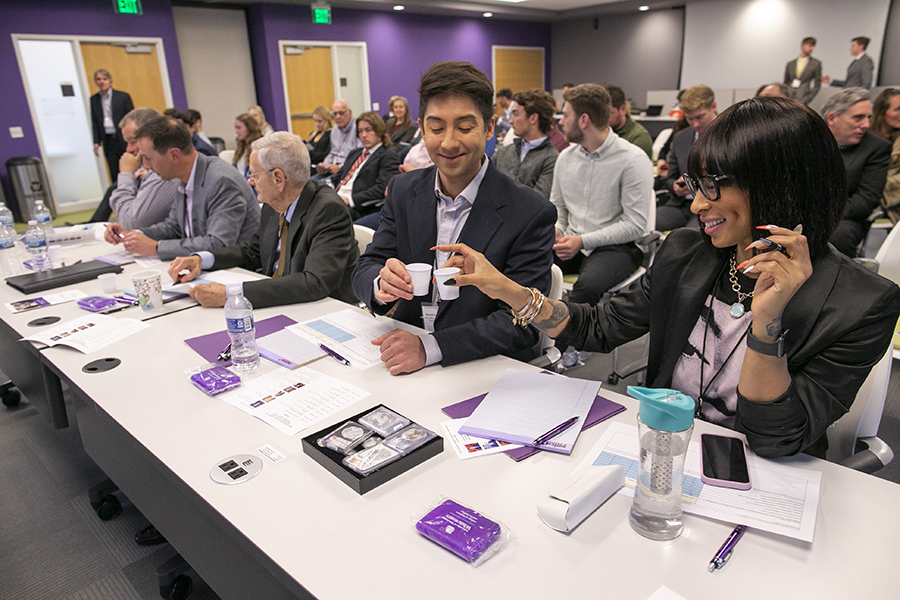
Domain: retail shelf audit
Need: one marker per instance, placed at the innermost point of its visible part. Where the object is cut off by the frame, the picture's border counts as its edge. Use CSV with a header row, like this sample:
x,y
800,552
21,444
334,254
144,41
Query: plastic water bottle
x,y
6,219
36,242
9,255
239,321
665,422
42,216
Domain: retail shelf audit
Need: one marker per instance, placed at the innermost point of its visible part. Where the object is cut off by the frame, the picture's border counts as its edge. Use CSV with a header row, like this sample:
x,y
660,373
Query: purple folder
x,y
209,346
601,410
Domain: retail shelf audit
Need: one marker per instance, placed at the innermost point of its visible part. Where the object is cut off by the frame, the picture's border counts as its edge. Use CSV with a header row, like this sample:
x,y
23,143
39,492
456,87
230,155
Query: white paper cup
x,y
55,253
447,292
421,278
108,282
148,286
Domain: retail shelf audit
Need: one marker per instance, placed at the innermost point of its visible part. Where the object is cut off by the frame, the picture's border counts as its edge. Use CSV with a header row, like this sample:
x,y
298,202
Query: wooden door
x,y
309,81
137,74
518,69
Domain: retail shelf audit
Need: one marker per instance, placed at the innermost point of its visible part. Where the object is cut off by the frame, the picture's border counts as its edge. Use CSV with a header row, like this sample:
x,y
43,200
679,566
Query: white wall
x,y
741,44
218,73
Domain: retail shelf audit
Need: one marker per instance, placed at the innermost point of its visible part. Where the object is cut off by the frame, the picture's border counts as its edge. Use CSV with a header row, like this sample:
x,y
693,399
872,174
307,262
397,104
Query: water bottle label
x,y
6,220
42,218
240,325
37,243
7,244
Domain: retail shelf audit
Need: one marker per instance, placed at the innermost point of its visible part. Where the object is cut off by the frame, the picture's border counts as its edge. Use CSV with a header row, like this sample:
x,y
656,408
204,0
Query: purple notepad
x,y
601,410
209,346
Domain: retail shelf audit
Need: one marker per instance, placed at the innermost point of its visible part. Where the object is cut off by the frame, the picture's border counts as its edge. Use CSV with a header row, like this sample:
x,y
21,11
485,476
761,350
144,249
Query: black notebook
x,y
54,278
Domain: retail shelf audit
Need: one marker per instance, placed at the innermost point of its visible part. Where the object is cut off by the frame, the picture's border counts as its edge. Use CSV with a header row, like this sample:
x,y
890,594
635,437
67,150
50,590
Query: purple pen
x,y
334,355
718,561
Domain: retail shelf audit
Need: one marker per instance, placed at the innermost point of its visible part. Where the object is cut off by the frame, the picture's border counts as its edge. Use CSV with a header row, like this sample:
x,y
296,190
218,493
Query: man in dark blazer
x,y
859,73
108,107
364,176
866,159
699,106
222,208
461,198
806,83
312,259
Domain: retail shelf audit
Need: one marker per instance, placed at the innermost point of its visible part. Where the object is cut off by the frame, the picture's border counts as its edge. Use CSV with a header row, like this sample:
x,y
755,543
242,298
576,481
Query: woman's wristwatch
x,y
775,348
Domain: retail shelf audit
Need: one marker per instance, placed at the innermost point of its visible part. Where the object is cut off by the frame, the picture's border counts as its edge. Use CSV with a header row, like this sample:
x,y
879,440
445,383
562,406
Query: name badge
x,y
429,314
108,122
795,83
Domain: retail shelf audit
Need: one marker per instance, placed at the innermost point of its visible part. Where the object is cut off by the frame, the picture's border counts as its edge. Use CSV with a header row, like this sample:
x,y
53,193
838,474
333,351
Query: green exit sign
x,y
128,7
321,13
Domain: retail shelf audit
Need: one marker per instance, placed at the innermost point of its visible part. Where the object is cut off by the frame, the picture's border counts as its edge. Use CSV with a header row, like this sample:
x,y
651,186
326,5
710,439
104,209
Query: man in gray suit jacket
x,y
804,74
859,73
531,158
214,207
305,242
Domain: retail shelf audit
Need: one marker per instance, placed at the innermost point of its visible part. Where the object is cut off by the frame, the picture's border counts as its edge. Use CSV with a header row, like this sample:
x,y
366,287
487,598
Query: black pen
x,y
774,247
553,432
334,355
225,354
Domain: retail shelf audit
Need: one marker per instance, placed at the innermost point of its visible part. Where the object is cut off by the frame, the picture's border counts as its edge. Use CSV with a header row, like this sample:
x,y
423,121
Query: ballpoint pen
x,y
225,354
543,439
718,561
363,306
334,355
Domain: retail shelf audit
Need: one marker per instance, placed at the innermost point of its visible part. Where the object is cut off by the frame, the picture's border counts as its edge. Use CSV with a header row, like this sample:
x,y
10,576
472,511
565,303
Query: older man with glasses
x,y
305,241
343,141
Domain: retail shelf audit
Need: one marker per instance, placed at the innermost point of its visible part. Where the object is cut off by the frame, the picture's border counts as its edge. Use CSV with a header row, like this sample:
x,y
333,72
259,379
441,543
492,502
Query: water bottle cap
x,y
664,410
32,222
234,290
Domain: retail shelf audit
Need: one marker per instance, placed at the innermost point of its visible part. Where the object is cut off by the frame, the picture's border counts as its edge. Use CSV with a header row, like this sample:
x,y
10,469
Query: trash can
x,y
29,181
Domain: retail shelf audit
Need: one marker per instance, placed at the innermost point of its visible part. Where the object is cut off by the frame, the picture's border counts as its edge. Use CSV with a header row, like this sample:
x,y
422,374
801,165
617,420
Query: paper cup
x,y
148,287
55,253
108,282
447,292
421,278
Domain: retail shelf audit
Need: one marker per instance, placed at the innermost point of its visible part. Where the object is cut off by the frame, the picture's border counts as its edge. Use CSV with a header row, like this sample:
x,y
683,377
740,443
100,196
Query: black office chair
x,y
104,210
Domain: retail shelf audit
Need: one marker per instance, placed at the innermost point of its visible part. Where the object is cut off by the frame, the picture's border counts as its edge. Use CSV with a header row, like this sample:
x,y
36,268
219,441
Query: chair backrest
x,y
363,237
556,292
865,412
227,155
660,141
217,143
888,256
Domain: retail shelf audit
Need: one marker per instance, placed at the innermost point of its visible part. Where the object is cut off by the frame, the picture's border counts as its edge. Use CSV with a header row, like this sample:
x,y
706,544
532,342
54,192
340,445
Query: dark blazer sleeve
x,y
96,118
405,137
867,168
373,178
677,159
121,107
345,168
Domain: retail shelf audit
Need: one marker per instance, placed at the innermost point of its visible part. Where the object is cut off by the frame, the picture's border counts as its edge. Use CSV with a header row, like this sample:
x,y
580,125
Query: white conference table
x,y
296,531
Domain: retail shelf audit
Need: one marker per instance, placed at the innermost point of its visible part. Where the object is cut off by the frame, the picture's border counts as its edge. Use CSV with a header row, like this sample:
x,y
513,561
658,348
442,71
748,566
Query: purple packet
x,y
460,530
96,303
216,380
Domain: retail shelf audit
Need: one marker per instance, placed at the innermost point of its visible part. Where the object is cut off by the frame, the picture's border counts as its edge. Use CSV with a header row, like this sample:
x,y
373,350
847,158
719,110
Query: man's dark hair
x,y
762,145
378,127
782,88
171,112
505,92
568,85
540,103
190,116
456,77
616,96
862,41
165,133
809,40
592,100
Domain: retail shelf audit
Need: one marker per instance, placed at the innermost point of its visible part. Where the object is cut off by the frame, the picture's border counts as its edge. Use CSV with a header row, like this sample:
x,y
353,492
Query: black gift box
x,y
362,484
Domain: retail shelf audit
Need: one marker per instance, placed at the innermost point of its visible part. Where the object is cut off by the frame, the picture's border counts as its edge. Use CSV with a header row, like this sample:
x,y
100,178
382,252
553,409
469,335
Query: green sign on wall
x,y
128,7
321,13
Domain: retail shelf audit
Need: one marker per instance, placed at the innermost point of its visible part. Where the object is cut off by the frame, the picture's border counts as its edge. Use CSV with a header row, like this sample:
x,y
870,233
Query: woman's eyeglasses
x,y
708,184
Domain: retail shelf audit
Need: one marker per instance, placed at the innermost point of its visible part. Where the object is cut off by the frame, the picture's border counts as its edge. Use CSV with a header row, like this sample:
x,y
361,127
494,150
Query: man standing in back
x,y
462,198
214,207
859,73
108,106
804,73
531,157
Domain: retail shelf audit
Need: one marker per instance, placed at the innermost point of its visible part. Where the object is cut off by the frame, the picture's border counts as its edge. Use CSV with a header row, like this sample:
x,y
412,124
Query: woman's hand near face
x,y
780,276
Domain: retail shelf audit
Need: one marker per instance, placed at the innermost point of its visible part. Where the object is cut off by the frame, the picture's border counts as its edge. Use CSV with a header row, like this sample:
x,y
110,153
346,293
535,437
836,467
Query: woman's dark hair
x,y
879,112
784,156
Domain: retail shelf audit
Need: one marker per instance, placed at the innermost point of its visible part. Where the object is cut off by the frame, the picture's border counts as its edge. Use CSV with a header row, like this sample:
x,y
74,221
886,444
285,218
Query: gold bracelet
x,y
518,315
535,310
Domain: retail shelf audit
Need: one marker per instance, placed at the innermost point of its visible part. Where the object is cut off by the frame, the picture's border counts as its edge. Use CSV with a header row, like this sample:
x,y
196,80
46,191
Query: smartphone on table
x,y
724,461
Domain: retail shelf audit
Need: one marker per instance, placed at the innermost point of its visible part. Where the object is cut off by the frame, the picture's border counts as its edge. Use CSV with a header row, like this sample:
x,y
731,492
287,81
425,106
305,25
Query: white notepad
x,y
523,406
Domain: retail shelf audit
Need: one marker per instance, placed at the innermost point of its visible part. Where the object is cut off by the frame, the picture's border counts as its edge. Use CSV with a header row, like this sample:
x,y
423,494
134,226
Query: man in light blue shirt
x,y
343,141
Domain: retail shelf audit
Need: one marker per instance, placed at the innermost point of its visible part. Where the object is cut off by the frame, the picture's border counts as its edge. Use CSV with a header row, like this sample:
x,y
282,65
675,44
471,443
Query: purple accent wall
x,y
69,17
400,46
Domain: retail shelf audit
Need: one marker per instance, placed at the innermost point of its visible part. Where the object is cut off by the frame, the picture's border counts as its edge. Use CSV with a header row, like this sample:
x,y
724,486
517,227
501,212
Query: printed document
x,y
467,447
783,500
88,333
348,332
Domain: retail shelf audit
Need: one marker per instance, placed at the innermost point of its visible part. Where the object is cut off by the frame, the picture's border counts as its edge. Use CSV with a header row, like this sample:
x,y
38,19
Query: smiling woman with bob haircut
x,y
769,328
